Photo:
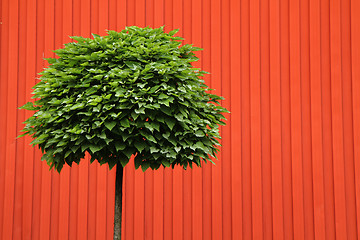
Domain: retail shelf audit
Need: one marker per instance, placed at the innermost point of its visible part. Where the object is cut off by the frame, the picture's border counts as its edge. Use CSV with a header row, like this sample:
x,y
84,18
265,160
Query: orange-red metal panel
x,y
289,164
265,119
255,121
337,120
216,70
275,121
348,120
11,116
326,118
355,75
305,119
295,120
316,121
30,69
285,119
245,120
206,168
235,117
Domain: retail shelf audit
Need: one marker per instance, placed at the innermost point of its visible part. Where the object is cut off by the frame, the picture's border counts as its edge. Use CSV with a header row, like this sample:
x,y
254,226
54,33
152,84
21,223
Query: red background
x,y
289,167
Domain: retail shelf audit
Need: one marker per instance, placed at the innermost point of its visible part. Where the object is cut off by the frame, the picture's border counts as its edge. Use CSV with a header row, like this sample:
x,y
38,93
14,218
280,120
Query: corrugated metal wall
x,y
290,162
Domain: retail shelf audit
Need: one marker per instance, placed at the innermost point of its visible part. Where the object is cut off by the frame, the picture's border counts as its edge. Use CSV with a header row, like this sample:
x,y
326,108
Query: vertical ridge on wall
x,y
289,162
11,117
30,69
19,165
355,77
295,116
255,121
337,120
226,131
49,200
306,120
215,69
3,99
347,118
206,168
316,121
285,119
235,141
245,120
275,120
326,124
265,118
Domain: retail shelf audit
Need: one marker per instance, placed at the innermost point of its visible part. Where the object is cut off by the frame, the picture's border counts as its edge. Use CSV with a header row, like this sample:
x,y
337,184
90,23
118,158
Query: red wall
x,y
289,167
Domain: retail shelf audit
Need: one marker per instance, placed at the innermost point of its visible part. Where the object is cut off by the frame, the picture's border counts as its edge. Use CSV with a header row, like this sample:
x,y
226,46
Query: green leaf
x,y
173,141
173,32
128,152
102,135
166,135
140,146
154,150
196,49
145,165
37,141
50,60
170,123
22,135
74,148
125,123
138,161
165,162
165,102
149,126
67,153
150,138
166,110
95,148
199,145
96,35
162,96
140,111
78,38
156,126
119,146
124,161
28,106
154,88
132,65
199,133
110,125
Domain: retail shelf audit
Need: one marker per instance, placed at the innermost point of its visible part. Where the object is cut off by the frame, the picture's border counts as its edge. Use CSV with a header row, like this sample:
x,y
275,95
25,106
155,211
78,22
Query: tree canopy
x,y
128,93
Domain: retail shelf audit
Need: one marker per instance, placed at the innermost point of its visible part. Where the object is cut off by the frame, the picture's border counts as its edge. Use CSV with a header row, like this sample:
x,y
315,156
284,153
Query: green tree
x,y
129,93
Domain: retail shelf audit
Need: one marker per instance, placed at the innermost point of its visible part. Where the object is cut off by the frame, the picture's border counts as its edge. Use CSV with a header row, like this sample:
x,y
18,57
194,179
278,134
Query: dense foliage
x,y
128,93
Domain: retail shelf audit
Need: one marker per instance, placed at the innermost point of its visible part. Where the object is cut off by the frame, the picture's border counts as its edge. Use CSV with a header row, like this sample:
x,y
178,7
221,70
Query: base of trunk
x,y
118,202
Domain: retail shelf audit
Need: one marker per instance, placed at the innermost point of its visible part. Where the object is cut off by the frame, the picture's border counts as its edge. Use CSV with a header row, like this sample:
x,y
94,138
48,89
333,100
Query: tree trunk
x,y
118,202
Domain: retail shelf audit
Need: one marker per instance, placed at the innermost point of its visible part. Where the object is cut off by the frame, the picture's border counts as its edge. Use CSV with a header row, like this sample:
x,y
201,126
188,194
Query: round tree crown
x,y
129,93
